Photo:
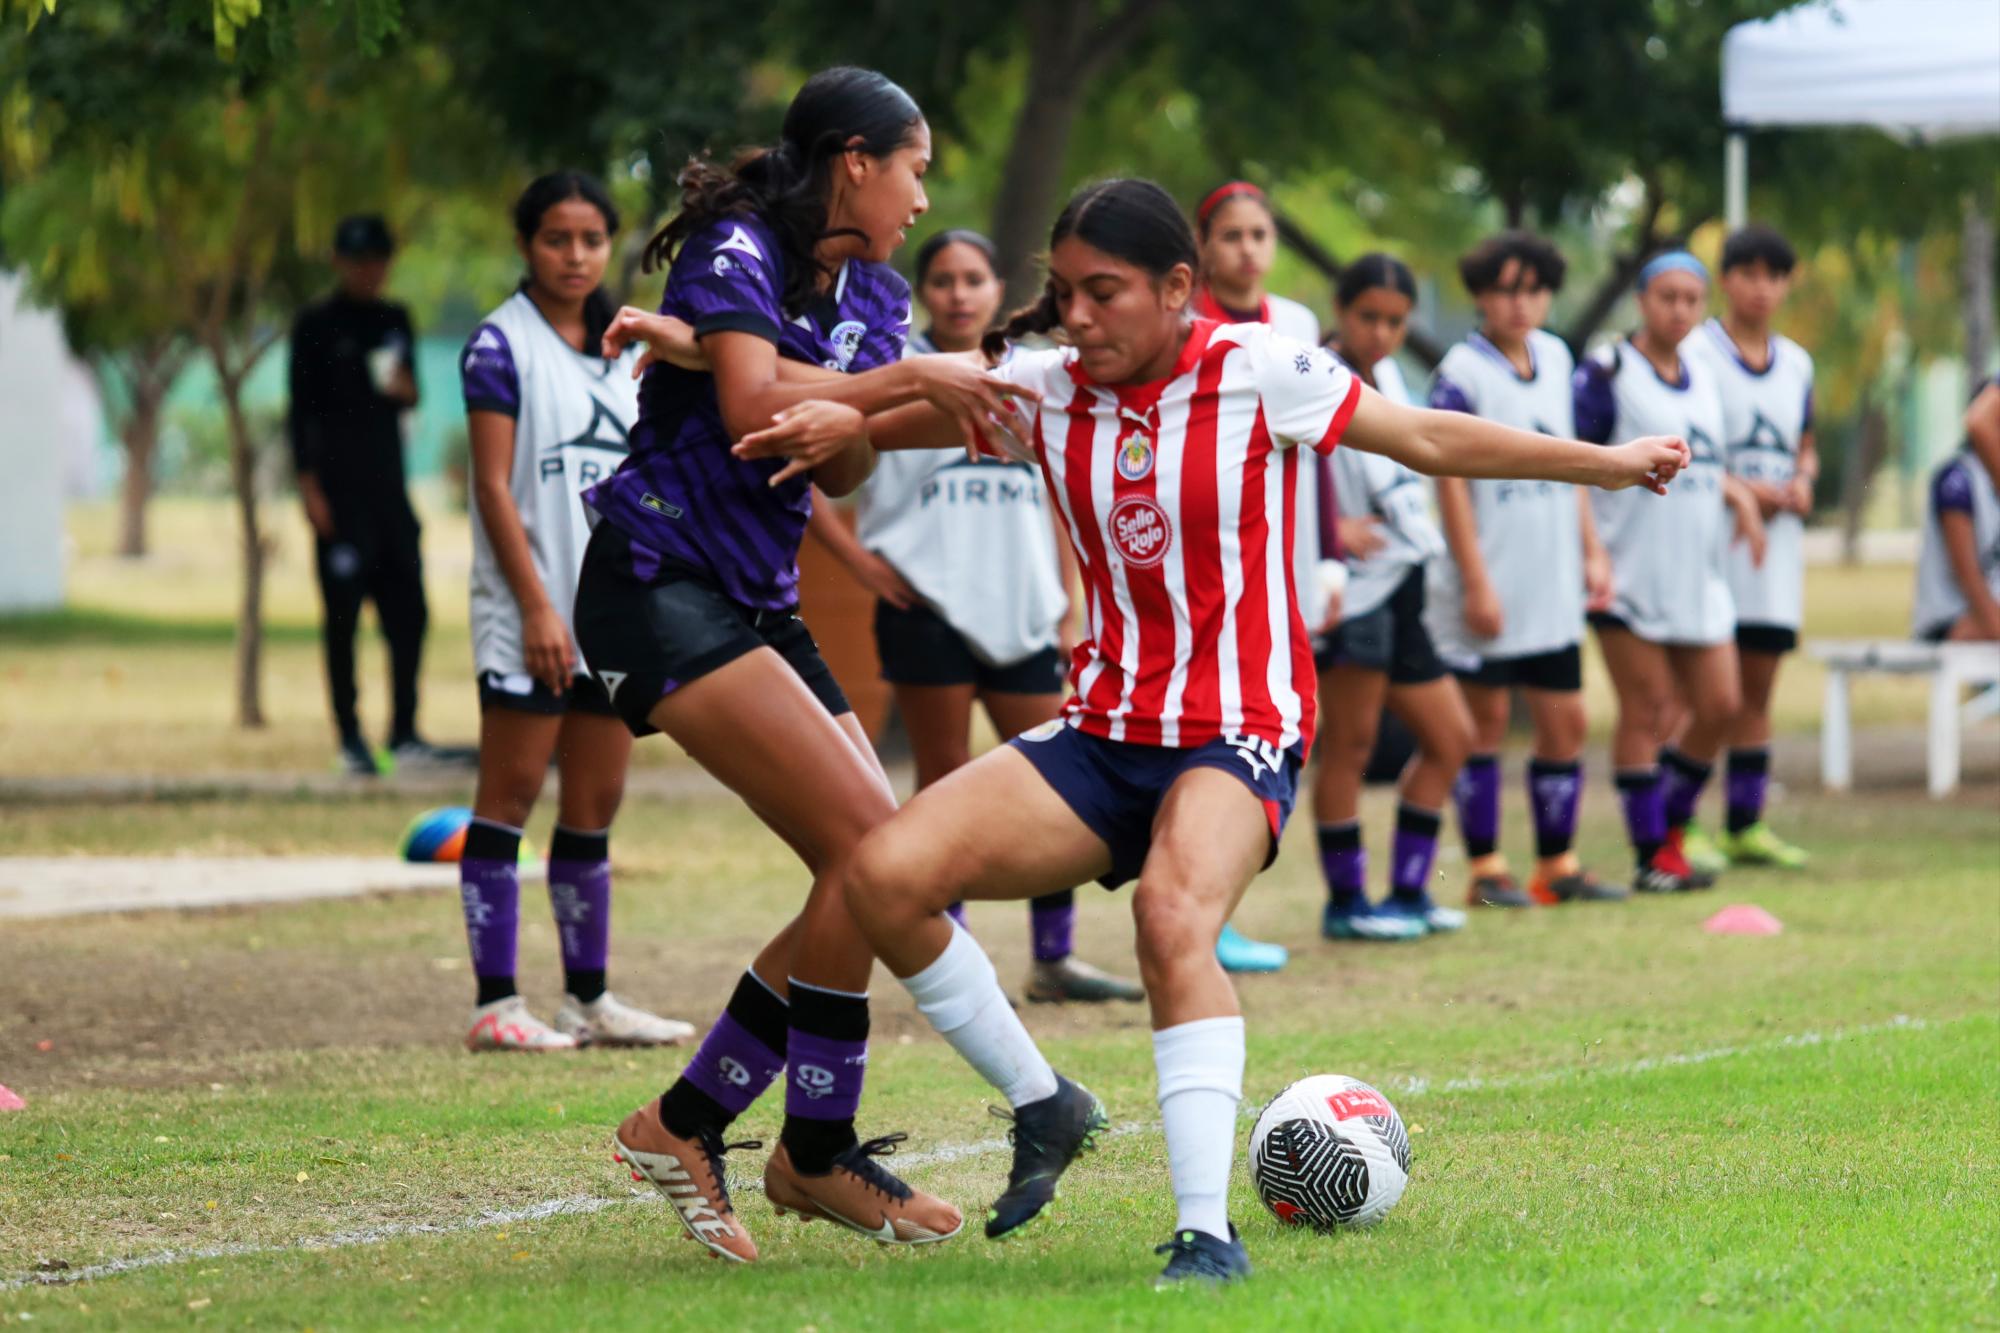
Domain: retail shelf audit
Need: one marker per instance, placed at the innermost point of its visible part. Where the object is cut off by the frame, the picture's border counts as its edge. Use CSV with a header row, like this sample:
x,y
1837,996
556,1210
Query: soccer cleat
x,y
1759,846
1073,979
1237,952
1497,891
506,1025
1701,851
860,1194
356,759
609,1021
1047,1136
1579,887
1673,856
1658,879
1365,923
693,1176
1196,1256
1419,908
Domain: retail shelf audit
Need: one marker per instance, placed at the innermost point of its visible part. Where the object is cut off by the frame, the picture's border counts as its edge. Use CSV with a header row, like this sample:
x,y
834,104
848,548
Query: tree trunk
x,y
1032,177
1976,281
250,602
141,437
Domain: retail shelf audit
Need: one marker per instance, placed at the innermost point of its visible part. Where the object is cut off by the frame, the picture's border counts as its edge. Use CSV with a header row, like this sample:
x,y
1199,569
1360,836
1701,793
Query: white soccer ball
x,y
1329,1152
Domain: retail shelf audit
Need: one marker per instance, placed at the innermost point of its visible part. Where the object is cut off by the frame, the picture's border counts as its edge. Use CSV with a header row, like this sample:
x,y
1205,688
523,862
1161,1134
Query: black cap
x,y
363,236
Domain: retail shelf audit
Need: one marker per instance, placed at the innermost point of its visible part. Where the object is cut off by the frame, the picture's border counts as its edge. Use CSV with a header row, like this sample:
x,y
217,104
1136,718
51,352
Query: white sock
x,y
960,994
1201,1081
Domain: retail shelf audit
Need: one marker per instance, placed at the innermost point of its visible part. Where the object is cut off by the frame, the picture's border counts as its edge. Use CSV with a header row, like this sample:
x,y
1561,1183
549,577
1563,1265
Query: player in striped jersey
x,y
1766,384
1238,235
1172,446
1668,634
1379,651
1507,608
547,416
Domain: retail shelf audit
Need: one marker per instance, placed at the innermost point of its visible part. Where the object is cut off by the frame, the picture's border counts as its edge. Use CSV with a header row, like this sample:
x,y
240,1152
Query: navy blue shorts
x,y
1116,787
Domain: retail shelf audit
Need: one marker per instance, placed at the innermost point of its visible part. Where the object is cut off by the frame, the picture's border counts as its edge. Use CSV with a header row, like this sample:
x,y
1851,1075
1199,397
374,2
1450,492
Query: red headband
x,y
1221,193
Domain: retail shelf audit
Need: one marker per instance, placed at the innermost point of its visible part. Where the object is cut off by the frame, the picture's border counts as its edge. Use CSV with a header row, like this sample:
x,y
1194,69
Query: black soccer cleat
x,y
1197,1256
1047,1136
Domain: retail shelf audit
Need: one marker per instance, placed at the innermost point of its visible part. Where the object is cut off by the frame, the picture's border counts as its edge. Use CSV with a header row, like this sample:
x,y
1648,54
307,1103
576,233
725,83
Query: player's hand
x,y
984,405
318,512
1597,581
1650,462
1361,537
1750,529
806,433
1329,618
664,337
1798,497
1482,612
885,581
1771,500
546,648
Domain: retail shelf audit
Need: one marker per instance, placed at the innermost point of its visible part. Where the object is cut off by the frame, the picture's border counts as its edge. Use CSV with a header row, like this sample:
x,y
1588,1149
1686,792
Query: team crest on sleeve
x,y
1135,456
1141,531
846,341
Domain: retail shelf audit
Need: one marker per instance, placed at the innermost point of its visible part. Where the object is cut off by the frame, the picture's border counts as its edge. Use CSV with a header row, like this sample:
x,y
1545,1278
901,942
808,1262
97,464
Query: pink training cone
x,y
11,1100
1743,919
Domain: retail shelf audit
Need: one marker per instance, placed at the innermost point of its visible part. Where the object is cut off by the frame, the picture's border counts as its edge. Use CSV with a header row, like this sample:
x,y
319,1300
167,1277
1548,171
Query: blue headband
x,y
1671,261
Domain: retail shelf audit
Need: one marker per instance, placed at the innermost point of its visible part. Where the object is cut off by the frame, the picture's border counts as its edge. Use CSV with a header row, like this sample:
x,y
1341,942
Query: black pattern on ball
x,y
1308,1173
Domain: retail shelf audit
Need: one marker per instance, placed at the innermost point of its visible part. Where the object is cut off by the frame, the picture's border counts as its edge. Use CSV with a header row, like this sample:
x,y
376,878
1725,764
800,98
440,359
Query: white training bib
x,y
1375,486
1960,483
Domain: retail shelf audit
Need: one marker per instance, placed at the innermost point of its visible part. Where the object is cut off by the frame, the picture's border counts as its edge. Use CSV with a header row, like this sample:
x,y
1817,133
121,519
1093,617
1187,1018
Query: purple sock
x,y
1052,921
1477,796
1555,789
1681,781
1645,810
1413,852
489,893
580,895
957,913
732,1066
828,1060
1745,787
1343,862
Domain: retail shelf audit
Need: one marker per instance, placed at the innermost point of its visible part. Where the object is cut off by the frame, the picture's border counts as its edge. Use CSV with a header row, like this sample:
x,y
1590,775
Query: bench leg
x,y
1836,735
1942,743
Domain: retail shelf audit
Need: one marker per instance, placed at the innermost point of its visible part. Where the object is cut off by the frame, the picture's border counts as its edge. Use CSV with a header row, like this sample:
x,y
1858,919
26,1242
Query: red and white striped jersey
x,y
1181,500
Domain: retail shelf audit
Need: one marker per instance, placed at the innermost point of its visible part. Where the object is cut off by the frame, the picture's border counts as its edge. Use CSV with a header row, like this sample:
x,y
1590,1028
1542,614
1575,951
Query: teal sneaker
x,y
1238,953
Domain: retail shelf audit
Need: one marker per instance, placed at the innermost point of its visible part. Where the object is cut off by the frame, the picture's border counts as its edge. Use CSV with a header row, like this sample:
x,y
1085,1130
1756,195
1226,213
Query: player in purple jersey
x,y
686,612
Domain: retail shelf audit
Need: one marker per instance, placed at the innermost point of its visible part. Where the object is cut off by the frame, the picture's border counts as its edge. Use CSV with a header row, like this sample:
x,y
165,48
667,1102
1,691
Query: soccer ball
x,y
1329,1152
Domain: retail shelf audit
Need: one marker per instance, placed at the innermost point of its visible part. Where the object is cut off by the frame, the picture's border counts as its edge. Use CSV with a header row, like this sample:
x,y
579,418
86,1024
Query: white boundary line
x,y
580,1205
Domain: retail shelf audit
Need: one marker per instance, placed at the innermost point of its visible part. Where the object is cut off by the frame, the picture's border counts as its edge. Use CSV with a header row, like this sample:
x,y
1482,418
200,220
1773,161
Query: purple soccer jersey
x,y
682,497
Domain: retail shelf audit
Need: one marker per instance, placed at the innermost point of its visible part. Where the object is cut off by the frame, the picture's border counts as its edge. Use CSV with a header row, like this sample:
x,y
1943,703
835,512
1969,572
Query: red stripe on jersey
x,y
1338,427
1201,524
1146,590
1079,434
1253,608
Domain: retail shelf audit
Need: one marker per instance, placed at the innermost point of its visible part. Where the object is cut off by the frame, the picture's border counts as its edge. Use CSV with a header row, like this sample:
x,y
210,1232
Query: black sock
x,y
495,988
1749,774
840,1020
685,1109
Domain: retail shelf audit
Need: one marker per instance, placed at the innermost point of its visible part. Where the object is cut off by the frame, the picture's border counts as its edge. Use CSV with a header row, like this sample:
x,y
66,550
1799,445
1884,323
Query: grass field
x,y
1619,1121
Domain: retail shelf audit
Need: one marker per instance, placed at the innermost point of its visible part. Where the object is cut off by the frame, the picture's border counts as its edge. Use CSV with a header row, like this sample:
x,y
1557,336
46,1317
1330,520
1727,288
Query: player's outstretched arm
x,y
1457,444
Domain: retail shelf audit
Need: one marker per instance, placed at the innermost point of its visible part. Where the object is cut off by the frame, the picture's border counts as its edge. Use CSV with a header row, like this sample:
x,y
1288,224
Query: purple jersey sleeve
x,y
729,279
1448,397
487,372
1595,403
888,325
1951,489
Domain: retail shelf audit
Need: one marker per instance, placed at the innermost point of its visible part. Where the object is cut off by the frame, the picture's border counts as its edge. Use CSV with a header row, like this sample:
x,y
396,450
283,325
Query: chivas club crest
x,y
1135,457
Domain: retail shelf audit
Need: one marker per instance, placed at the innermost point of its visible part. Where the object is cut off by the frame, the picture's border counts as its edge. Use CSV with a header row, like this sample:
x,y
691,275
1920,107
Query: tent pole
x,y
1735,179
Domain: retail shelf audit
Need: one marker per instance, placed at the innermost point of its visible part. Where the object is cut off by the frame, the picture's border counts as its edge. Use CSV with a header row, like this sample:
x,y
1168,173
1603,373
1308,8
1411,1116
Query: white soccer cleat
x,y
609,1021
506,1025
1443,920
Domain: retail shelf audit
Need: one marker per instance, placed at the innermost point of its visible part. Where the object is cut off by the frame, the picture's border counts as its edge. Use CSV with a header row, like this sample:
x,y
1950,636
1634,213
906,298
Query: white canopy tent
x,y
1917,69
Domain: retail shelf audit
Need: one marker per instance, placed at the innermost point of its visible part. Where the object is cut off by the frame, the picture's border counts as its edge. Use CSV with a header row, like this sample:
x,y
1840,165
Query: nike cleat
x,y
506,1025
1047,1136
693,1176
1497,891
1197,1257
1237,952
1701,852
860,1194
1366,923
1580,887
609,1021
1068,979
1419,908
1759,846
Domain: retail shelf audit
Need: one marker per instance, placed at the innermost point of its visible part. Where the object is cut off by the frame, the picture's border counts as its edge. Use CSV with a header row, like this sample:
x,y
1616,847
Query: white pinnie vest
x,y
1961,481
1375,486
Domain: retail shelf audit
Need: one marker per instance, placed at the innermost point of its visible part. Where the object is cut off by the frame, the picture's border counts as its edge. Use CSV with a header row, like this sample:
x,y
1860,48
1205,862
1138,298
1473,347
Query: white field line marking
x,y
580,1205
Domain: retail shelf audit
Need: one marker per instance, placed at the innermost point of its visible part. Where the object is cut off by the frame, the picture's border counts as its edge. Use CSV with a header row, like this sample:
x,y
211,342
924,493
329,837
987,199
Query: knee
x,y
1722,706
1349,750
1171,932
889,880
1449,746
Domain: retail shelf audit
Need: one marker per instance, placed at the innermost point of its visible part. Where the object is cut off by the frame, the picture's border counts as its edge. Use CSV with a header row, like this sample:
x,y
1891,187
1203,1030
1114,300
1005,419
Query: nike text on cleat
x,y
1239,953
1047,1136
1197,1257
1759,846
609,1021
506,1025
692,1175
1581,887
1497,891
1073,979
862,1195
1366,923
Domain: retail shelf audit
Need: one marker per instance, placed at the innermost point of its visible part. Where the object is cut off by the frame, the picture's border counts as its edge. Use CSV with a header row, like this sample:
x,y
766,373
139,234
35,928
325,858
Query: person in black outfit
x,y
353,373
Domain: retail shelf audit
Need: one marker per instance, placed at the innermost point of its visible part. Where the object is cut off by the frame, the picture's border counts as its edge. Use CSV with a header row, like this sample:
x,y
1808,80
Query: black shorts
x,y
522,693
1390,639
646,637
1774,639
919,647
1561,670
